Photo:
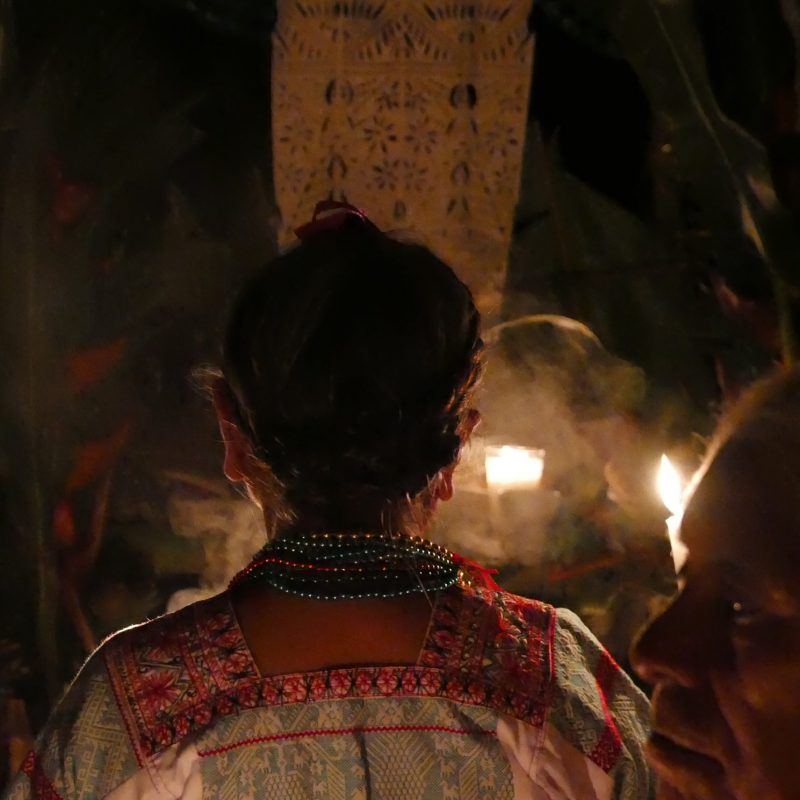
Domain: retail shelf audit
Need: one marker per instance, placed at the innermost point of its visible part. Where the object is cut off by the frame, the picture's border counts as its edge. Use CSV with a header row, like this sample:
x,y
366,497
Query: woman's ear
x,y
237,445
443,489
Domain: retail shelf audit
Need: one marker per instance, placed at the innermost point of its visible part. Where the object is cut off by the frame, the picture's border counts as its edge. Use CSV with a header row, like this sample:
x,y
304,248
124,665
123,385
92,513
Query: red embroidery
x,y
484,574
282,737
608,748
41,788
606,673
341,682
499,642
177,674
387,681
158,692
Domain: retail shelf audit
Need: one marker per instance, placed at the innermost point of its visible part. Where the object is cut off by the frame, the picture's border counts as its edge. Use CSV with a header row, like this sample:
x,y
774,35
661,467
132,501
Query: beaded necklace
x,y
350,566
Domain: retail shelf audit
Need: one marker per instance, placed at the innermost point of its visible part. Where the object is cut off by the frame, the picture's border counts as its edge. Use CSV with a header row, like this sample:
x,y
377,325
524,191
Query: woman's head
x,y
348,362
724,656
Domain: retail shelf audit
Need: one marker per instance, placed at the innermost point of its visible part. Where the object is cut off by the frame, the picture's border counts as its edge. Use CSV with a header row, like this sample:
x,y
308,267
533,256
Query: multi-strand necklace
x,y
339,566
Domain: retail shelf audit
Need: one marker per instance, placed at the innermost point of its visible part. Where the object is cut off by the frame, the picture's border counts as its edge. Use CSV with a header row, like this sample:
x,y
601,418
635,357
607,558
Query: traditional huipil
x,y
509,698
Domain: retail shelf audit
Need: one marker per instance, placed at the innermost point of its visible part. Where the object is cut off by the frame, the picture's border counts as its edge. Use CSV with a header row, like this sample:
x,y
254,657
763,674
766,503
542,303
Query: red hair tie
x,y
484,573
328,216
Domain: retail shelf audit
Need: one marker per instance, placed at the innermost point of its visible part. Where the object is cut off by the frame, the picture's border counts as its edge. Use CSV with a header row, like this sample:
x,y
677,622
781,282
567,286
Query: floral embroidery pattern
x,y
174,675
177,674
501,658
486,648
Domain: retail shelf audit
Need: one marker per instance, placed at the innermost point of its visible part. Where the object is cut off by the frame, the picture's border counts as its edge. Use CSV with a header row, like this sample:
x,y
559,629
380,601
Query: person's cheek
x,y
761,705
696,778
768,669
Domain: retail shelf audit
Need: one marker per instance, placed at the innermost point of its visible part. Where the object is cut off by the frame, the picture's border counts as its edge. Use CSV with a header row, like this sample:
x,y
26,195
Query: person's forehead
x,y
747,506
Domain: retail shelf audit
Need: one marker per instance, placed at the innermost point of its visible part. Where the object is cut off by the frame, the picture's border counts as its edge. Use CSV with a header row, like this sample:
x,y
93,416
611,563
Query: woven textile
x,y
174,677
509,699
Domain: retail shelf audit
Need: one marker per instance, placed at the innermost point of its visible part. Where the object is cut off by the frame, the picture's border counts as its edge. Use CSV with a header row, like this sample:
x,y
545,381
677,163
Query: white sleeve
x,y
545,766
173,775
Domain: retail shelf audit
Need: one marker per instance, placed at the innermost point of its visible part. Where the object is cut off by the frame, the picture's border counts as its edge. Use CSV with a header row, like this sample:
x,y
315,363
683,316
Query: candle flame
x,y
670,486
508,466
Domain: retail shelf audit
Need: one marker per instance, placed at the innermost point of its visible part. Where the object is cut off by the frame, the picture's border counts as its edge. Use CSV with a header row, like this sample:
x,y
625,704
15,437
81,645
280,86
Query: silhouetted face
x,y
724,657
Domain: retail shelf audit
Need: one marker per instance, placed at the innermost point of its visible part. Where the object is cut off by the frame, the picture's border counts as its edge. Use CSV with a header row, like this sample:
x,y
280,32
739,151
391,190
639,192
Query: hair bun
x,y
351,358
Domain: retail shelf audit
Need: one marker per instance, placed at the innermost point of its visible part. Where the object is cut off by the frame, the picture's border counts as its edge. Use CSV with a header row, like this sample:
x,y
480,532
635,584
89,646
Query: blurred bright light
x,y
670,487
513,467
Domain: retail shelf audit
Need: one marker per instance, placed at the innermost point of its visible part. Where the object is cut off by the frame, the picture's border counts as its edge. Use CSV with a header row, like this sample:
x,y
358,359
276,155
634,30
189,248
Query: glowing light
x,y
670,487
512,467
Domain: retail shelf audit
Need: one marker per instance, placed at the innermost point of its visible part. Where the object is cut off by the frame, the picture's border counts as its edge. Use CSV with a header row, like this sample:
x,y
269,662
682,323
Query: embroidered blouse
x,y
510,698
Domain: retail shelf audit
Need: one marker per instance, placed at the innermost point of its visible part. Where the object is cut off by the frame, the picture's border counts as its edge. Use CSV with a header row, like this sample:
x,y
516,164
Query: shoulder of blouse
x,y
84,735
597,708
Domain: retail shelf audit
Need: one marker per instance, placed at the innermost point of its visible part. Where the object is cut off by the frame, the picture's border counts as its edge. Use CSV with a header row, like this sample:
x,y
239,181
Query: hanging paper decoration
x,y
415,112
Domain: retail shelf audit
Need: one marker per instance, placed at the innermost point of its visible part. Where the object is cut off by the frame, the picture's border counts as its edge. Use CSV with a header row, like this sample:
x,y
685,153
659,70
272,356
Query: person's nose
x,y
672,647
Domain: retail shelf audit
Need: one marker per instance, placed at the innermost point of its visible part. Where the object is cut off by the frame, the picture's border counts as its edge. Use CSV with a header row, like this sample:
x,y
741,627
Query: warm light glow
x,y
671,486
511,467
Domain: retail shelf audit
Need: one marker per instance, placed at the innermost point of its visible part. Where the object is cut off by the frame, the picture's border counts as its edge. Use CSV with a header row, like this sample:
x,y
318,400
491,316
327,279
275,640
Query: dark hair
x,y
350,359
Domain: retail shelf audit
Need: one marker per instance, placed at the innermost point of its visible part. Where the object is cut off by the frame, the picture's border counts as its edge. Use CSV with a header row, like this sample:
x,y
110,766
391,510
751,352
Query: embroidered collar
x,y
177,674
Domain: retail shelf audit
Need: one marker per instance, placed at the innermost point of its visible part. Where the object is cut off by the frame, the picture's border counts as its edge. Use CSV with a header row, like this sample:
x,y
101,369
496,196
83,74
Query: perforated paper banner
x,y
415,112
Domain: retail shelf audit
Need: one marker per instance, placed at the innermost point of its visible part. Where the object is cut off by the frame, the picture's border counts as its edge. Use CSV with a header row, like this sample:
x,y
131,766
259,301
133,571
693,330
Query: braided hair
x,y
350,360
